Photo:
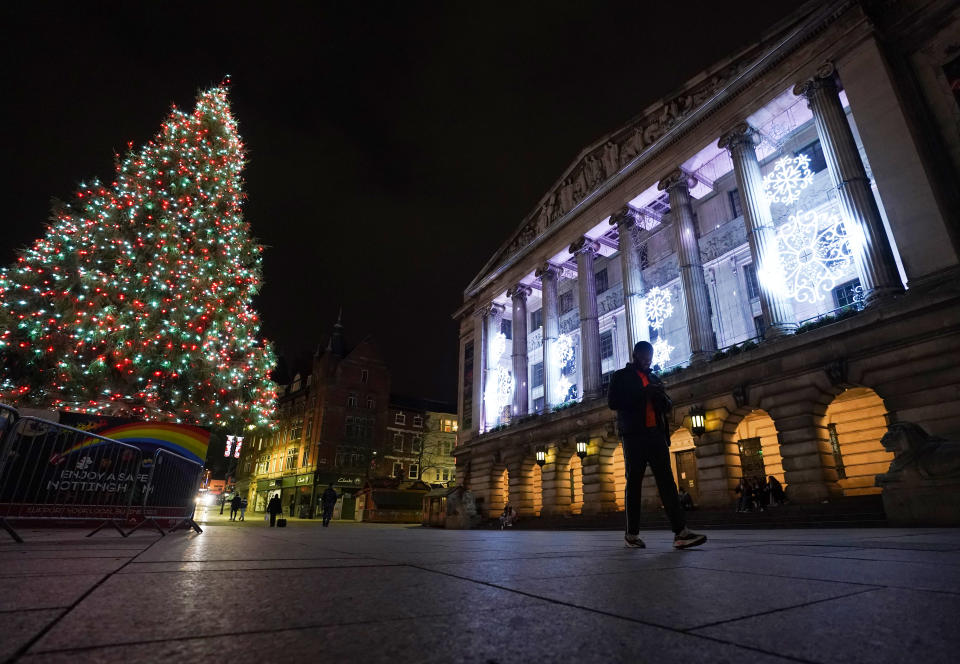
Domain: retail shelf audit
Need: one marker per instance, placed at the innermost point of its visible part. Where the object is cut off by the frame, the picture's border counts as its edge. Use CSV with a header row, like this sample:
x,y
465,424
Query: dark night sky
x,y
392,147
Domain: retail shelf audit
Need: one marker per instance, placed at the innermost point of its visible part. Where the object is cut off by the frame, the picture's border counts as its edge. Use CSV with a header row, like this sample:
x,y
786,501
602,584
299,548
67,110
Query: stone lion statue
x,y
916,451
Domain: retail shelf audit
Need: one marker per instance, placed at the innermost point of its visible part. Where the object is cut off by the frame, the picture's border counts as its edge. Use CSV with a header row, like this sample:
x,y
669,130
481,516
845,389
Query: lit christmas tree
x,y
137,301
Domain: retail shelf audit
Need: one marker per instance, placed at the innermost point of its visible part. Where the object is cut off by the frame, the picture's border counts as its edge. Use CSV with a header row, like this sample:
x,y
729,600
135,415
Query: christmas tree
x,y
138,299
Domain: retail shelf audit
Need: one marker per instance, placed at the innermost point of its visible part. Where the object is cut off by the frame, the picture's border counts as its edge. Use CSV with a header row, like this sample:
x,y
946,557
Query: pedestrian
x,y
777,496
235,506
293,503
275,508
327,502
642,405
243,508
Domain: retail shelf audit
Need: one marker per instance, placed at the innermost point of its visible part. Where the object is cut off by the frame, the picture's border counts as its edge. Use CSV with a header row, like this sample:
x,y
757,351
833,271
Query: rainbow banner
x,y
183,439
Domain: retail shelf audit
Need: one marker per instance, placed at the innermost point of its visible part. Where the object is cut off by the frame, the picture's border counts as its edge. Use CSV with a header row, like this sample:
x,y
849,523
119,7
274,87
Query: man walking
x,y
327,501
275,508
643,407
243,509
235,506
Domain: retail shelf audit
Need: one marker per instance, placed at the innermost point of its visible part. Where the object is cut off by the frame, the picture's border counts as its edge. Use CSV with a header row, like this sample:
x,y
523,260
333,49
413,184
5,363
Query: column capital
x,y
547,272
519,292
742,134
489,309
584,245
824,79
674,179
626,216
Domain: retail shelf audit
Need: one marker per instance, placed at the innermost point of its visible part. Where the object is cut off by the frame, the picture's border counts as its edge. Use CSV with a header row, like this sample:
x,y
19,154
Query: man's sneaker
x,y
634,542
685,539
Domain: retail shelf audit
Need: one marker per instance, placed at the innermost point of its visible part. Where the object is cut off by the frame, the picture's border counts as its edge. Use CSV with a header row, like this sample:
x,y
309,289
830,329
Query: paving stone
x,y
21,626
879,626
129,607
59,566
43,592
535,633
919,576
683,597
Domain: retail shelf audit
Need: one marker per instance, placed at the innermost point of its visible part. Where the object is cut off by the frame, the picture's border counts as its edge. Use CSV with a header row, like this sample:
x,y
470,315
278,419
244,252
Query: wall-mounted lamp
x,y
581,448
698,420
541,456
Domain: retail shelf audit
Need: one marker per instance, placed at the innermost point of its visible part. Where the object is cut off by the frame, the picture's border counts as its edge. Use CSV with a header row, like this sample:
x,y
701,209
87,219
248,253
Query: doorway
x,y
751,460
687,472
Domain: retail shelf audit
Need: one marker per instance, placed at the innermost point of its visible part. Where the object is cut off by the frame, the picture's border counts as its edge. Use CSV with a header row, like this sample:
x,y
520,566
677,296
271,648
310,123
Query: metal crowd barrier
x,y
52,472
171,492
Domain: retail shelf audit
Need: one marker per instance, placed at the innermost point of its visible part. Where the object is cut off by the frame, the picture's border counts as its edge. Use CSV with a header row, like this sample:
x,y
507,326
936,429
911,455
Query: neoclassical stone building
x,y
785,229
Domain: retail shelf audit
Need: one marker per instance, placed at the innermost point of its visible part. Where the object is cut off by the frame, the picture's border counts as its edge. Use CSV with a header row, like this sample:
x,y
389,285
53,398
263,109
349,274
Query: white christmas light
x,y
661,352
659,306
236,450
504,386
790,176
226,452
497,346
815,251
564,347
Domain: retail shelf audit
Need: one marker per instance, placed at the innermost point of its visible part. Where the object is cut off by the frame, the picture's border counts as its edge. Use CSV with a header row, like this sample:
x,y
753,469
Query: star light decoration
x,y
790,176
499,389
815,252
661,352
138,300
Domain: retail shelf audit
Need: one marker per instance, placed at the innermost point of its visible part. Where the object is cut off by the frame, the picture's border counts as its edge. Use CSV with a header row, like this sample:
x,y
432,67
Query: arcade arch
x,y
856,421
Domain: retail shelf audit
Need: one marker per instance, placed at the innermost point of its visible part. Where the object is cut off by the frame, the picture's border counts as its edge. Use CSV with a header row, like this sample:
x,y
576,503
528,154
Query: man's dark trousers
x,y
273,519
640,449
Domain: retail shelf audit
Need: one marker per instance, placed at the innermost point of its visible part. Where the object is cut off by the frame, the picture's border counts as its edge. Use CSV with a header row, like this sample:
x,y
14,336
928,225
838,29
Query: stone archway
x,y
683,461
759,447
499,490
619,478
856,420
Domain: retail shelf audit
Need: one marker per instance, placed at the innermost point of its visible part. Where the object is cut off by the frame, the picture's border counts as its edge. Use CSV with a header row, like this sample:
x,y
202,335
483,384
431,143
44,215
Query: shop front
x,y
346,486
266,489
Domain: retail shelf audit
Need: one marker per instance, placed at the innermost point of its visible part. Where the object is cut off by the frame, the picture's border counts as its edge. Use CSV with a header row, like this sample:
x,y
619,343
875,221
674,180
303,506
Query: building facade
x,y
329,422
785,230
419,441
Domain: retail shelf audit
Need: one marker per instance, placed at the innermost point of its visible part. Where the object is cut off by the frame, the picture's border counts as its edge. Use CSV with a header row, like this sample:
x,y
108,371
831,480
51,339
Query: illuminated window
x,y
600,279
306,455
536,319
414,471
606,345
291,458
537,378
735,205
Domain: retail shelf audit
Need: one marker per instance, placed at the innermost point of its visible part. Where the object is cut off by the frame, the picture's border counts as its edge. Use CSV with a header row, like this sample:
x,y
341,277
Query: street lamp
x,y
541,456
698,421
581,448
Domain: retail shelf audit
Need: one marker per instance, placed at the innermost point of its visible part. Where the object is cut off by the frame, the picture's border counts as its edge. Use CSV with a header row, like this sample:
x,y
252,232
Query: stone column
x,y
548,275
493,352
519,294
777,310
479,366
873,256
695,295
634,306
586,250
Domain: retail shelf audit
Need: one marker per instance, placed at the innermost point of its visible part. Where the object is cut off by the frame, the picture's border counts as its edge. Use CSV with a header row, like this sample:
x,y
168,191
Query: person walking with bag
x,y
235,506
275,508
243,509
642,406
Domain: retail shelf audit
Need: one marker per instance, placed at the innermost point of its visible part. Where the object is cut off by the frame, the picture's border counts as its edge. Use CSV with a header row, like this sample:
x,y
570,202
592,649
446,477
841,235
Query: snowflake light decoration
x,y
790,176
815,251
564,348
504,386
659,306
661,352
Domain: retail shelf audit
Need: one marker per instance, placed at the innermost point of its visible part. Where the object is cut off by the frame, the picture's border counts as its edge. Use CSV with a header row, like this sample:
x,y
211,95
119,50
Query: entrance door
x,y
751,460
687,472
348,508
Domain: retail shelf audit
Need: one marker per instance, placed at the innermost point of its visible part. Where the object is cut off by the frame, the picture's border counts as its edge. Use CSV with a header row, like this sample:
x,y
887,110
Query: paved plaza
x,y
371,593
